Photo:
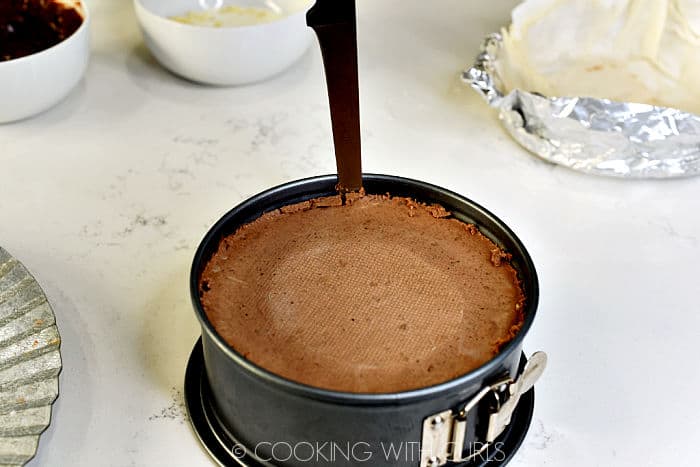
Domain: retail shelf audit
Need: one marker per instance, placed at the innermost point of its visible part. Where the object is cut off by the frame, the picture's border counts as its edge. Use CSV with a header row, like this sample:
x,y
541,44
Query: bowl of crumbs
x,y
225,42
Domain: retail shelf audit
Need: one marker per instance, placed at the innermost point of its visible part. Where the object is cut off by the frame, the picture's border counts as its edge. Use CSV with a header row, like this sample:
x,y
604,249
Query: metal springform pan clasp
x,y
444,433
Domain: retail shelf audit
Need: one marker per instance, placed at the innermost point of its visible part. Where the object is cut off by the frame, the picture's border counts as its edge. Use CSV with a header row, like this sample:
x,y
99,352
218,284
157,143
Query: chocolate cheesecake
x,y
380,294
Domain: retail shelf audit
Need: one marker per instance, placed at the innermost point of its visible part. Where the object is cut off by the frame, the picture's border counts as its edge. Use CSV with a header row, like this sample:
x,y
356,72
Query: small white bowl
x,y
32,84
224,56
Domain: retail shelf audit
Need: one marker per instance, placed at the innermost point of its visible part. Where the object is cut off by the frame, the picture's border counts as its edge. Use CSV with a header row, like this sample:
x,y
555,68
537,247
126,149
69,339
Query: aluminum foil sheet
x,y
30,361
595,136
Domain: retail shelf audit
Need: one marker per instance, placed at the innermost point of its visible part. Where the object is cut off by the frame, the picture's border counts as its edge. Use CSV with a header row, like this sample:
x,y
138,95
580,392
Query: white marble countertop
x,y
105,198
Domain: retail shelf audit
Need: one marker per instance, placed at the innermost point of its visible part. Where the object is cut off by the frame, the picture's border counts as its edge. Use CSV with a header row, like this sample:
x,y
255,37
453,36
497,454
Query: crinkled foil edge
x,y
595,136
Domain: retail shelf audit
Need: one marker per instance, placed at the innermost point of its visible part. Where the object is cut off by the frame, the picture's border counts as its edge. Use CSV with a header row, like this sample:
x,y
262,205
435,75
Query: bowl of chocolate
x,y
44,52
383,323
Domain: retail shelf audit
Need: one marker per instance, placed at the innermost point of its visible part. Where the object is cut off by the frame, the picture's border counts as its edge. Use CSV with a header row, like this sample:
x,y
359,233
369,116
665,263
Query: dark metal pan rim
x,y
483,372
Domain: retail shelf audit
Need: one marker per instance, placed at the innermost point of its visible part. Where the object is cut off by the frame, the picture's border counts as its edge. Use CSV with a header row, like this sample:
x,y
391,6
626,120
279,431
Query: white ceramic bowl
x,y
224,56
32,84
